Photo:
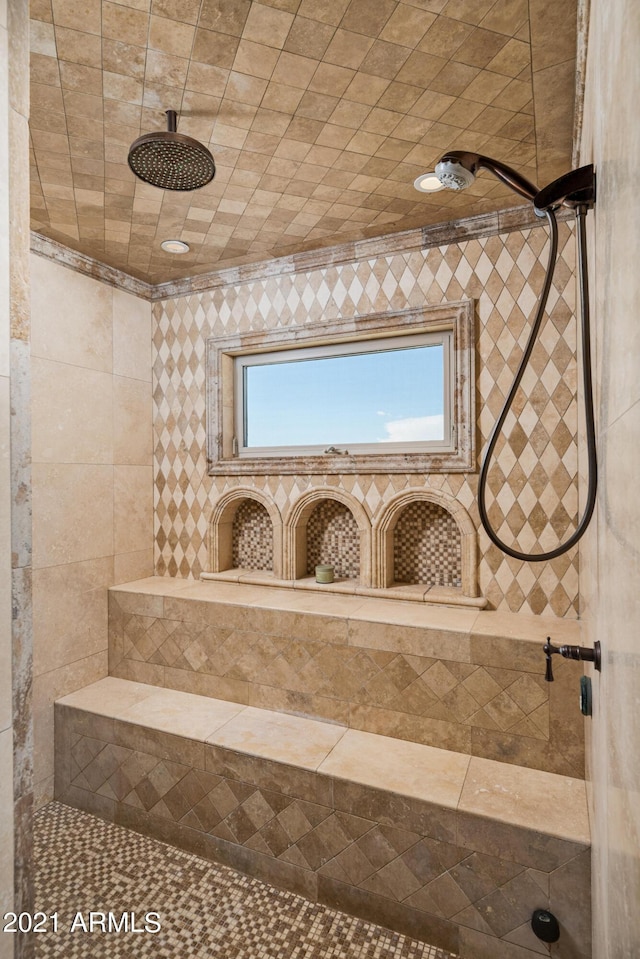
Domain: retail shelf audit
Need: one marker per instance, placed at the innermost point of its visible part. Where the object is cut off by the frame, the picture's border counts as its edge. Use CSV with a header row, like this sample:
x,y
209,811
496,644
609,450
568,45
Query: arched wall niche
x,y
227,542
385,525
297,554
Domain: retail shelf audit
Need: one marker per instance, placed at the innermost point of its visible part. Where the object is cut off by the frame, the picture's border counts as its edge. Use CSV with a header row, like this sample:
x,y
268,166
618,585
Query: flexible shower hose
x,y
581,212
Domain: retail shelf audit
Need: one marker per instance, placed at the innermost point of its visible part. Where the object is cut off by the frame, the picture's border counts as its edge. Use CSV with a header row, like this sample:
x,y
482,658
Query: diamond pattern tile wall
x,y
533,499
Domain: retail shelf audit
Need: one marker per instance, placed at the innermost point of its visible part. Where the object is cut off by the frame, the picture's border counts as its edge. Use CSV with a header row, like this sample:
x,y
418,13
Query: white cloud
x,y
381,413
414,429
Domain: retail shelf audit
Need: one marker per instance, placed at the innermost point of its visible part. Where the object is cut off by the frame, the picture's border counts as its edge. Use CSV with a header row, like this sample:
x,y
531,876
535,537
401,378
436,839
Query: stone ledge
x,y
361,605
408,593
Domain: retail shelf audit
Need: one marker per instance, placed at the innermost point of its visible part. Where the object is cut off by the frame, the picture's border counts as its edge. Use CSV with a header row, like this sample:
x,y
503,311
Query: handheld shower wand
x,y
457,170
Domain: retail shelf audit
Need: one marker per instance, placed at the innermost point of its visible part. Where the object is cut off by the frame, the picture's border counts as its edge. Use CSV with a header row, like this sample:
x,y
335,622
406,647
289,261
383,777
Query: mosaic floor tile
x,y
206,911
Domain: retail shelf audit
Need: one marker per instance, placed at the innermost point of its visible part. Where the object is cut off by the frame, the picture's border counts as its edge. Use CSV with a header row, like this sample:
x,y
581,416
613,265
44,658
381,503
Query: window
x,y
385,393
371,396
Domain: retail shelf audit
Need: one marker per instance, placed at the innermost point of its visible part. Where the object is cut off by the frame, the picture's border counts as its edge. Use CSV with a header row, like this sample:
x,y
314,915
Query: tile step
x,y
531,799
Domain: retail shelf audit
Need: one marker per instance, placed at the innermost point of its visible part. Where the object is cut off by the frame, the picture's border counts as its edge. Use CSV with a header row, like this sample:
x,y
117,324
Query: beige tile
x,y
131,336
277,736
77,46
108,697
6,820
47,688
171,36
71,418
530,798
138,672
408,769
119,22
414,614
73,506
522,626
325,708
5,561
132,566
132,508
70,13
132,430
155,585
183,714
70,316
410,640
201,684
265,24
69,612
414,728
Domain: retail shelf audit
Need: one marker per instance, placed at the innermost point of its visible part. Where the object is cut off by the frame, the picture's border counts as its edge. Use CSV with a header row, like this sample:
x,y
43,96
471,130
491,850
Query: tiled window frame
x,y
221,351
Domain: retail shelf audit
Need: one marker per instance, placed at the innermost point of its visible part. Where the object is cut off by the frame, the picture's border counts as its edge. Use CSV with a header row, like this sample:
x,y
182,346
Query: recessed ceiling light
x,y
174,246
428,183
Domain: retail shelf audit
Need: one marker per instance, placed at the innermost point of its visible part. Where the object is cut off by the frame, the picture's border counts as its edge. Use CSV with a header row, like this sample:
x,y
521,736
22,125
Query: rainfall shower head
x,y
170,160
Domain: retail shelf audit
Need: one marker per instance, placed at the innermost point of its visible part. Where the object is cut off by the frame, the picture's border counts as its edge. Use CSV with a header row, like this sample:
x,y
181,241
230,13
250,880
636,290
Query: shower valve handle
x,y
580,653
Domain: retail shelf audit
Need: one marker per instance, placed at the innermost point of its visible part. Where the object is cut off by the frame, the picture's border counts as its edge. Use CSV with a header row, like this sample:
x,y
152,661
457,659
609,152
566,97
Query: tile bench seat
x,y
454,849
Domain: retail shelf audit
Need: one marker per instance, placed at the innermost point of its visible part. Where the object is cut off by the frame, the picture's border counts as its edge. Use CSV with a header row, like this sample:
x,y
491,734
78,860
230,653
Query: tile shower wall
x,y
92,478
532,487
610,551
16,731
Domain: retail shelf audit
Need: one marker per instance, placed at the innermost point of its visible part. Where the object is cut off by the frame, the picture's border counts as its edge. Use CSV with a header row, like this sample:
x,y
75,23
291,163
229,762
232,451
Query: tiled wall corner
x,y
92,477
610,559
16,634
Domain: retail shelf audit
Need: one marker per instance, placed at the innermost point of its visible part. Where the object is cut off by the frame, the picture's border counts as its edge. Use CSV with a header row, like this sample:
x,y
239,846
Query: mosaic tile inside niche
x,y
503,274
427,547
252,537
333,538
244,915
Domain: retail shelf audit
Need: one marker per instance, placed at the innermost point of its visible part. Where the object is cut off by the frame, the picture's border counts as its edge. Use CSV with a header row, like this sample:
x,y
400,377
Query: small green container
x,y
324,574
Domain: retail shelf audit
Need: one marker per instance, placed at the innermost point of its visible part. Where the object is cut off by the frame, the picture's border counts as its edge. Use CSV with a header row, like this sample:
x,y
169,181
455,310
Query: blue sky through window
x,y
387,396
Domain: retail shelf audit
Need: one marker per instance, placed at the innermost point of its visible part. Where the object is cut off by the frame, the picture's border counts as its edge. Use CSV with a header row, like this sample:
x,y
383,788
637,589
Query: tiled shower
x,y
81,549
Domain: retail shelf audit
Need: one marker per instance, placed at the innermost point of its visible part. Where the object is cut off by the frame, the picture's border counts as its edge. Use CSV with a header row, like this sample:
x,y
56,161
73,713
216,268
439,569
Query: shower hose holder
x,y
585,654
575,189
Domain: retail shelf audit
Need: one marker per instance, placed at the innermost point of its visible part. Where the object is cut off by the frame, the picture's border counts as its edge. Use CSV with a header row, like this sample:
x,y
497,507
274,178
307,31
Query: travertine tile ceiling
x,y
319,113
